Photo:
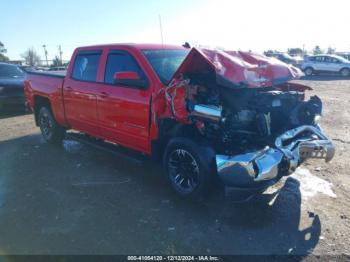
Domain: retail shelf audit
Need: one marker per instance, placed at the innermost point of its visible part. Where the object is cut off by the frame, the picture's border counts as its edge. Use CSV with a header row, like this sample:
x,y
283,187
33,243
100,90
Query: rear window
x,y
86,66
10,71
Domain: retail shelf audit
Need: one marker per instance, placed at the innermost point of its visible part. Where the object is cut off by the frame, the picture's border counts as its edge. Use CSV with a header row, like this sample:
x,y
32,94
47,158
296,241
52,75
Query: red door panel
x,y
80,100
123,111
80,92
124,115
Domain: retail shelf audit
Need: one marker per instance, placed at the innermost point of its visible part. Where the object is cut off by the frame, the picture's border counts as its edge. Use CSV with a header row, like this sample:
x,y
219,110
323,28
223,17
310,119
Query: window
x,y
328,59
319,59
120,61
10,71
334,60
86,66
165,62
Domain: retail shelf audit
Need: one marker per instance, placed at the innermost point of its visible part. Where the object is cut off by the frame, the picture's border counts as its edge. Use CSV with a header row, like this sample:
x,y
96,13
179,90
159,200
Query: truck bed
x,y
48,85
59,74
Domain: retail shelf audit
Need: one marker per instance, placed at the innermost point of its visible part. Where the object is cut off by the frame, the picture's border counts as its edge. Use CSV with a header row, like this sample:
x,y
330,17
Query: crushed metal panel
x,y
238,69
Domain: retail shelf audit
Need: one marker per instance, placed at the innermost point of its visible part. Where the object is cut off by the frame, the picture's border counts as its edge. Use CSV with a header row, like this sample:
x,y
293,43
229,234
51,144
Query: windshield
x,y
10,71
165,62
342,59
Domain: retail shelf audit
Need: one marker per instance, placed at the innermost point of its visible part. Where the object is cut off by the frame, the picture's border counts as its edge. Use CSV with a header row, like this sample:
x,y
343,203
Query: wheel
x,y
345,72
308,71
190,167
50,130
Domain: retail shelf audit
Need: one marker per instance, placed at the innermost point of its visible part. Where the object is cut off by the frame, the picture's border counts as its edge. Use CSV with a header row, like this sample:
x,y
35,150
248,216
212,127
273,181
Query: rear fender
x,y
38,102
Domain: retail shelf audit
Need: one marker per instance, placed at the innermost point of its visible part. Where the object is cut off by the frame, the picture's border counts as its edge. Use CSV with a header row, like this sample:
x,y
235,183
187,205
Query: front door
x,y
123,110
334,65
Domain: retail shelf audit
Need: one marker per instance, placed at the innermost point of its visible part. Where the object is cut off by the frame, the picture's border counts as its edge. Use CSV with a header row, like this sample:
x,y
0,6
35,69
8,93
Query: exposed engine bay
x,y
238,120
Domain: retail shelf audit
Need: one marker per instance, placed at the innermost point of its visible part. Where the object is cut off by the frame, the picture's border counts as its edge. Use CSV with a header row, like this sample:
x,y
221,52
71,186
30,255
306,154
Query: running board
x,y
118,151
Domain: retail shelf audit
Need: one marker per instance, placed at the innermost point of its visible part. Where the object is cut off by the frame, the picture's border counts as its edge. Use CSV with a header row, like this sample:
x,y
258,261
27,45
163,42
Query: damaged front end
x,y
261,168
260,125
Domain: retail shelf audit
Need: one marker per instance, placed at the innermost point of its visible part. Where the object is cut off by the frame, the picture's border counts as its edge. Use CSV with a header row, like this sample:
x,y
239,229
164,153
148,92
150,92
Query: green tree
x,y
295,51
31,57
3,50
270,52
317,50
330,50
57,61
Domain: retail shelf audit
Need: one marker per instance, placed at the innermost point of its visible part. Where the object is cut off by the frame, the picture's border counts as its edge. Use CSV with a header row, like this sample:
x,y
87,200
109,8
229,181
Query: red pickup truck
x,y
227,116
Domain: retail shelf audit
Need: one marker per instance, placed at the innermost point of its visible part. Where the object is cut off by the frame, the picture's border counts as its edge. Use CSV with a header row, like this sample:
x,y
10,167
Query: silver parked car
x,y
326,63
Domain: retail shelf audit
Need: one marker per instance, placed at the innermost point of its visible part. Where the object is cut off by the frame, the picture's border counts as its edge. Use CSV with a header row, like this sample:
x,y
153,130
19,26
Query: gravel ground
x,y
78,200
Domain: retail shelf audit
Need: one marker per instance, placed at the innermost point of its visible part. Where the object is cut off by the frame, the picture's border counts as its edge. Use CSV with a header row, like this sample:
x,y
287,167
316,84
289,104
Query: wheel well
x,y
39,102
168,129
308,68
344,68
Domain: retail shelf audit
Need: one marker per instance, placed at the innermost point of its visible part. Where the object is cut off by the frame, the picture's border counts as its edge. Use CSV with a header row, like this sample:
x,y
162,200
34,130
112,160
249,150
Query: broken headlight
x,y
317,119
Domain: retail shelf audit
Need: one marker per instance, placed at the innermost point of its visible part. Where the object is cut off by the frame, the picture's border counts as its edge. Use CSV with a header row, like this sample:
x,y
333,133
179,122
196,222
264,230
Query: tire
x,y
308,71
345,72
190,167
50,130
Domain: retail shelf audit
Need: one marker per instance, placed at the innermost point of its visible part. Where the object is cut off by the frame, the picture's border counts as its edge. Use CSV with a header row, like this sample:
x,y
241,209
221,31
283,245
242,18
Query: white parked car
x,y
326,63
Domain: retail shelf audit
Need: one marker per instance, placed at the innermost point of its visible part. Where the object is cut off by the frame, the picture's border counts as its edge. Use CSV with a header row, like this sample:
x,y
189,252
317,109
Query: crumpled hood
x,y
238,69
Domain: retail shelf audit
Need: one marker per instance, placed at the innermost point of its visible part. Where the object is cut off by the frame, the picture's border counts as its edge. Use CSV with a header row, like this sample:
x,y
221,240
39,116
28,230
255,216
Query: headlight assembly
x,y
317,119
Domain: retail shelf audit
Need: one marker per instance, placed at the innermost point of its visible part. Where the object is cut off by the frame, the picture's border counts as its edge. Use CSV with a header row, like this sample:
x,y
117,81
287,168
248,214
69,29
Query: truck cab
x,y
107,91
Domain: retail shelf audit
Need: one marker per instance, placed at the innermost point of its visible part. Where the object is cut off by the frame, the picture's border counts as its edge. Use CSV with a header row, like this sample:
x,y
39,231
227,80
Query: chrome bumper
x,y
263,167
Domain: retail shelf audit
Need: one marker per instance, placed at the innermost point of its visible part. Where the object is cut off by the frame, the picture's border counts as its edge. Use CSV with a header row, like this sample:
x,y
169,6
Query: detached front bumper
x,y
262,168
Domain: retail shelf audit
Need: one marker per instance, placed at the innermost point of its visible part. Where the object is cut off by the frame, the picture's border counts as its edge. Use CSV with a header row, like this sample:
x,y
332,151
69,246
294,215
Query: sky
x,y
231,24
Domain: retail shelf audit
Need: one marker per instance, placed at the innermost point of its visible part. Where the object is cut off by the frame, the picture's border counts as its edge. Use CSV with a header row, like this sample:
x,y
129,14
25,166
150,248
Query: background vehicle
x,y
204,114
11,88
286,58
326,63
57,68
346,55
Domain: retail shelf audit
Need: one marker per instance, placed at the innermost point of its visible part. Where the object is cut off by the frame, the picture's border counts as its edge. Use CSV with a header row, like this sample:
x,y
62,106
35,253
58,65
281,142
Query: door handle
x,y
68,88
104,94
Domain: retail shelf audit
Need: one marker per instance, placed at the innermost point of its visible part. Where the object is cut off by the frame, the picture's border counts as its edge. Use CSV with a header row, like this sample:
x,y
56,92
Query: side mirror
x,y
129,78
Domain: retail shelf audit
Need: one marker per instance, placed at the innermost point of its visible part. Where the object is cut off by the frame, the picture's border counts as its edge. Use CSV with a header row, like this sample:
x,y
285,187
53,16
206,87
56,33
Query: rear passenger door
x,y
329,65
123,110
80,93
319,64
